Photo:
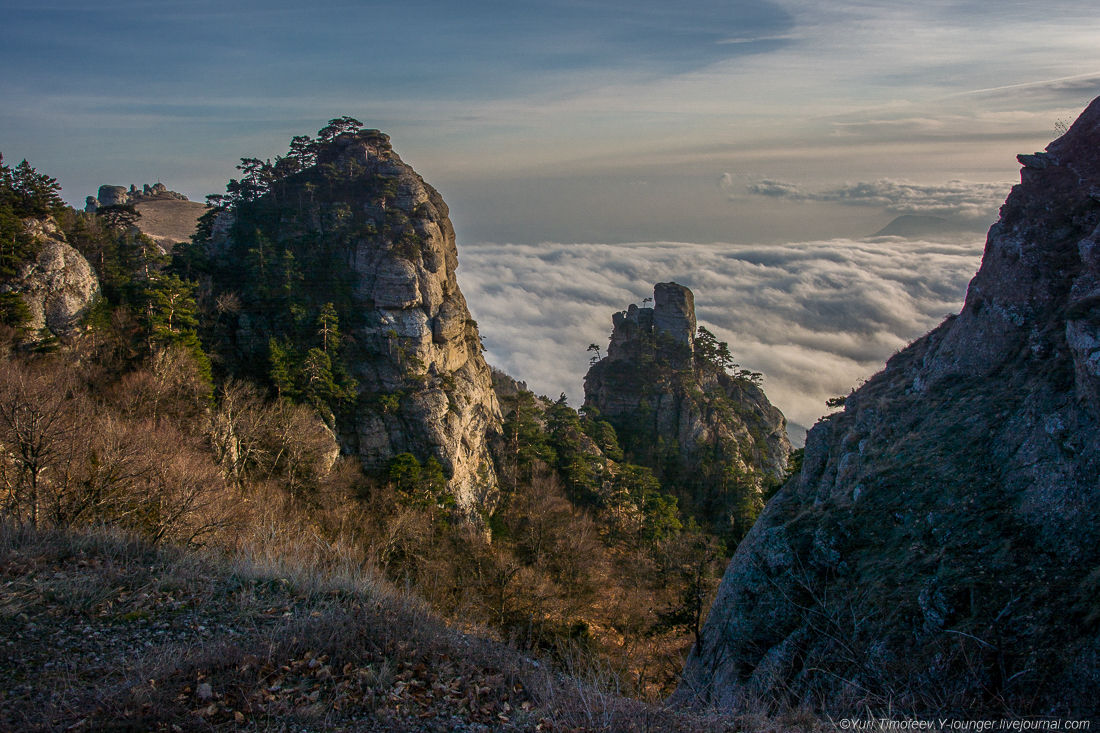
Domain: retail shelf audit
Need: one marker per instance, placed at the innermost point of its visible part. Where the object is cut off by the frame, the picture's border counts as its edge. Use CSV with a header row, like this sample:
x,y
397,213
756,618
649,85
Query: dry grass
x,y
289,633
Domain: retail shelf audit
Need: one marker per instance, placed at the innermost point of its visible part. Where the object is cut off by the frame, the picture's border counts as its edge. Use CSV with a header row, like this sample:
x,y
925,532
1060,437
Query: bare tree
x,y
36,411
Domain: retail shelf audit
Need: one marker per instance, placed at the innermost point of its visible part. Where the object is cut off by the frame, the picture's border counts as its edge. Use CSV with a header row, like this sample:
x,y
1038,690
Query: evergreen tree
x,y
328,328
170,308
338,127
24,193
28,192
282,370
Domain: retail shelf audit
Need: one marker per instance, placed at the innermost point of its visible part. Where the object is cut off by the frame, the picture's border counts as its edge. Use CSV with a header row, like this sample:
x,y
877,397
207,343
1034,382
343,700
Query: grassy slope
x,y
101,632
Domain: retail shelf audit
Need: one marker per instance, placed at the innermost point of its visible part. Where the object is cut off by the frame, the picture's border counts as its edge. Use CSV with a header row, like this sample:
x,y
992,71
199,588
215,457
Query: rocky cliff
x,y
666,391
939,552
354,228
58,285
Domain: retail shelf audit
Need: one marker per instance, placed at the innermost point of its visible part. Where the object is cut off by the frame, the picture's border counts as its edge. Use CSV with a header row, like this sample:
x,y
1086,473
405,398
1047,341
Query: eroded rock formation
x,y
677,410
939,552
360,228
58,286
109,195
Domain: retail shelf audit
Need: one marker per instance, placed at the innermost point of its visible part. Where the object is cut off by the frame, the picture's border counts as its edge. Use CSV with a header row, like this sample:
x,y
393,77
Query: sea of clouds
x,y
814,317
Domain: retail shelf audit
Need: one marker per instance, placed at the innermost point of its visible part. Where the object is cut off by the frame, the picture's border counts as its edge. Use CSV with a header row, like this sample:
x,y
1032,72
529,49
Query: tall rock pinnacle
x,y
674,312
676,409
357,228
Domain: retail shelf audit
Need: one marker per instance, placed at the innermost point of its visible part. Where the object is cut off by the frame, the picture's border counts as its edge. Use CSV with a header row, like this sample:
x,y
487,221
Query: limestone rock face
x,y
674,312
672,406
58,286
389,248
939,549
113,195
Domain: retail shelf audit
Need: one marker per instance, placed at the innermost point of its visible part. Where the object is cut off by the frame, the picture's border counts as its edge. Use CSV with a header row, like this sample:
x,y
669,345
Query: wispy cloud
x,y
814,317
966,199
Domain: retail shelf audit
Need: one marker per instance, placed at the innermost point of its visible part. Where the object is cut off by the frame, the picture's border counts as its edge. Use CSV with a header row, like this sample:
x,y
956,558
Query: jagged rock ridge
x,y
118,196
678,411
938,552
360,228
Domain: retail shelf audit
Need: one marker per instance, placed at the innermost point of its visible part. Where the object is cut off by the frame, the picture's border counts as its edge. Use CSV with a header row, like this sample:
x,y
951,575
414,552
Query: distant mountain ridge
x,y
913,226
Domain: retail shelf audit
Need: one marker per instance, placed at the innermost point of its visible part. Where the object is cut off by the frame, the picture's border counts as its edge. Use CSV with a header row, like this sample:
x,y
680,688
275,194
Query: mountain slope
x,y
938,552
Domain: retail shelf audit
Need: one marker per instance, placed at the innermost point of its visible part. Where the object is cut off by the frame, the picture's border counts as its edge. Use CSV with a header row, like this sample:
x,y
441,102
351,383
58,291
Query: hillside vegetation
x,y
148,423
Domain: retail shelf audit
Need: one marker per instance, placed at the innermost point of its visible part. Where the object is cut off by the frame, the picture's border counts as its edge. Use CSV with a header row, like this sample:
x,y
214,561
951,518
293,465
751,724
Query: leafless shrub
x,y
169,386
256,439
71,463
41,416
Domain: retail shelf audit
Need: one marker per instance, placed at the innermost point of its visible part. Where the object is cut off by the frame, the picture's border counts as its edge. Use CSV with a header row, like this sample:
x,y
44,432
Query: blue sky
x,y
577,122
565,121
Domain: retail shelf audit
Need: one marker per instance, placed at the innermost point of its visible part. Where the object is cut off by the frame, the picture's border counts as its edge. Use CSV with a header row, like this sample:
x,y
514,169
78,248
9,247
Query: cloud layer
x,y
814,317
965,199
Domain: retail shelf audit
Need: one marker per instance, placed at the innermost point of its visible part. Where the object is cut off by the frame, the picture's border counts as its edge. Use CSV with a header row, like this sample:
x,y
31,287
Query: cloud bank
x,y
814,317
965,199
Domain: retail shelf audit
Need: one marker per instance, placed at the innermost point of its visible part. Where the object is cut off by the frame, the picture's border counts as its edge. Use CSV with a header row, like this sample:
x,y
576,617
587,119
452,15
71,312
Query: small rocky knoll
x,y
119,196
938,552
339,265
665,389
57,285
166,216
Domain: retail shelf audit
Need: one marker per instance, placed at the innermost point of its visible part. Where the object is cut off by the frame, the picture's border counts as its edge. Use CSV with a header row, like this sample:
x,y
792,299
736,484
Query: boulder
x,y
113,196
58,285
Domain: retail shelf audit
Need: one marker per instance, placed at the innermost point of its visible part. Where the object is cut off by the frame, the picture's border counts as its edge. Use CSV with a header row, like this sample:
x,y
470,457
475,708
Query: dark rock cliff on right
x,y
939,552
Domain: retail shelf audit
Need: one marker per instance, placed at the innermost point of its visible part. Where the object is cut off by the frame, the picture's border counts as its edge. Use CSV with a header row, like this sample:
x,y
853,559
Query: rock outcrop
x,y
119,196
676,409
166,216
358,227
939,552
58,286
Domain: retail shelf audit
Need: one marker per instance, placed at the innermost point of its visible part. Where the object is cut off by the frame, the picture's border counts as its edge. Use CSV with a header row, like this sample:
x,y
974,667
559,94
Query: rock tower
x,y
677,410
358,227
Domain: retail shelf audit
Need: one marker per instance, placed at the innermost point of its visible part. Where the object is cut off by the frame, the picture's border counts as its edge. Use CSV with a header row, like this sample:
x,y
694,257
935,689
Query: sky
x,y
610,144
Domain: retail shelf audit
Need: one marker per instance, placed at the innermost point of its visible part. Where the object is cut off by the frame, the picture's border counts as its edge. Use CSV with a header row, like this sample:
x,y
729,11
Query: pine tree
x,y
328,328
282,370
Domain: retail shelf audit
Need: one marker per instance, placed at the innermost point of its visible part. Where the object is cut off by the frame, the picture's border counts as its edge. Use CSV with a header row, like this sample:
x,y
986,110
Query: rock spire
x,y
359,228
676,408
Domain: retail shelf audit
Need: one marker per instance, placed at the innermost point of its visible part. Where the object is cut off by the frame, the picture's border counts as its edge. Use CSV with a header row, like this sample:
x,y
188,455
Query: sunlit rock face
x,y
939,552
681,414
369,233
58,286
